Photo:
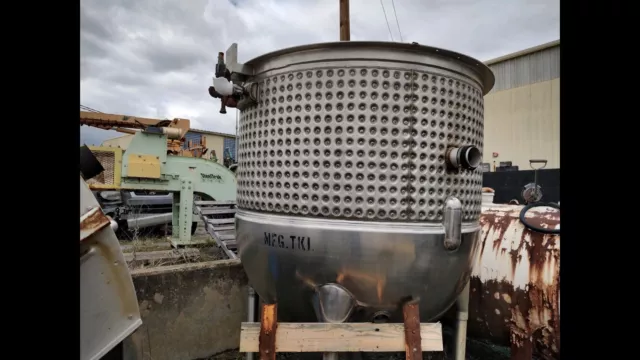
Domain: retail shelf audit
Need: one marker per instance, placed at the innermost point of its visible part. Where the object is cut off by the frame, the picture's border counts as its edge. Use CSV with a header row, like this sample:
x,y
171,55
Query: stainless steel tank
x,y
357,168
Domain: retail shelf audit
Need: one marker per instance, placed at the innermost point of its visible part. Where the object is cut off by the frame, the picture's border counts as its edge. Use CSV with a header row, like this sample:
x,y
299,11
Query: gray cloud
x,y
155,58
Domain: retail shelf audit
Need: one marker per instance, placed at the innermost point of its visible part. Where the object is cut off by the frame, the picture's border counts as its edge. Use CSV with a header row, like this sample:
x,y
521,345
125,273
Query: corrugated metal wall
x,y
522,112
522,124
230,144
194,137
528,69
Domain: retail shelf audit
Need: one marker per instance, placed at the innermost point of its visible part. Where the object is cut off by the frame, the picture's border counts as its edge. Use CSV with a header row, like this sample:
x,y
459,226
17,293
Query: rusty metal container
x,y
515,283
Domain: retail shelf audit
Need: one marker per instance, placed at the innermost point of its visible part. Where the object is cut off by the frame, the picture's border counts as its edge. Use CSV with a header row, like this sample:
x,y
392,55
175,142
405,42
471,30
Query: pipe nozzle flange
x,y
466,157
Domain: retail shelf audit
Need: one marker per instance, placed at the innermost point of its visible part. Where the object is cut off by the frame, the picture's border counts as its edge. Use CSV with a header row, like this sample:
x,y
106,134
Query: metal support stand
x,y
268,327
251,311
333,334
461,324
412,338
183,217
219,220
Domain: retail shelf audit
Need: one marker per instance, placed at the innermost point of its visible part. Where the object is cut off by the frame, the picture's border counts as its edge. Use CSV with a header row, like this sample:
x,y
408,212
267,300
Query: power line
x,y
397,23
387,20
86,108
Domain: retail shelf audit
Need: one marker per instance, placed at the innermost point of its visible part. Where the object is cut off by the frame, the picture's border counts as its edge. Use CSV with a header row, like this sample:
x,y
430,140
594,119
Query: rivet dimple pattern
x,y
359,143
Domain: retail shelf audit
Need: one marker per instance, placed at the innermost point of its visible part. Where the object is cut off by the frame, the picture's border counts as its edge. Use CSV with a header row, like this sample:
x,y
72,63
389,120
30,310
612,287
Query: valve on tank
x,y
229,94
466,157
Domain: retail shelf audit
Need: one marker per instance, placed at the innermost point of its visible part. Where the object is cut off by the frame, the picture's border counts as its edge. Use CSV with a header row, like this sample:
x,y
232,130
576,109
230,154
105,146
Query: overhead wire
x,y
396,16
387,20
86,108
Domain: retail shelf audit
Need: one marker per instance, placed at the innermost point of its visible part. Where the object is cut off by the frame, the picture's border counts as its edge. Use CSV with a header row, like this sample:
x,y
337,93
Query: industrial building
x,y
216,142
522,111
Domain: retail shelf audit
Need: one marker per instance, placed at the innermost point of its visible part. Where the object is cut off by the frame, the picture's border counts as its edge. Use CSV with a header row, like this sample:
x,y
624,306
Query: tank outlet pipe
x,y
333,304
466,157
251,312
452,223
461,324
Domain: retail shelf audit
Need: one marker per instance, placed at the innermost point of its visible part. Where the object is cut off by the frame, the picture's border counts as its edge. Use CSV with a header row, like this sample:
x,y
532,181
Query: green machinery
x,y
145,165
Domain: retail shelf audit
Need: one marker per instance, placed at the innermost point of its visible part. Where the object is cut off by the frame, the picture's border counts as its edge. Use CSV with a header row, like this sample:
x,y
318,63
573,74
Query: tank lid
x,y
485,73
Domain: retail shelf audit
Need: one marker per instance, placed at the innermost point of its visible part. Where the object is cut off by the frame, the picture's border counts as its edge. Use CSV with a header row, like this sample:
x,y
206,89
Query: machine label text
x,y
211,177
292,242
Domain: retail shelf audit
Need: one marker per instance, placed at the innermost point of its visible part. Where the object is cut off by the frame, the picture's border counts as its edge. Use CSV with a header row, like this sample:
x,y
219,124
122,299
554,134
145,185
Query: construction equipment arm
x,y
114,121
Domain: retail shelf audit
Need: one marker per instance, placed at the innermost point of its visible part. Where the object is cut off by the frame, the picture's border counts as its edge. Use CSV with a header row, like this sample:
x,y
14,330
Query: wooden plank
x,y
217,211
412,342
221,221
231,244
161,255
268,332
209,202
341,337
227,237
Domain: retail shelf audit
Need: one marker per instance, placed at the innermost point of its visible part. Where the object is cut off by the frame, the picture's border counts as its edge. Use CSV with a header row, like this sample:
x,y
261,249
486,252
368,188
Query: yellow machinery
x,y
147,164
125,124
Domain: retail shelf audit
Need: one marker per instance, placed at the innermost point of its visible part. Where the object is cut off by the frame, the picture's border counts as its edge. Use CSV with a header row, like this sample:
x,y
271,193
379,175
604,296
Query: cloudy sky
x,y
155,58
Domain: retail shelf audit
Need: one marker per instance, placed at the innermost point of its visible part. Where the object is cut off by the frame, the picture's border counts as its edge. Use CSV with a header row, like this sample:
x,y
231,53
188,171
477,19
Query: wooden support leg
x,y
412,338
268,327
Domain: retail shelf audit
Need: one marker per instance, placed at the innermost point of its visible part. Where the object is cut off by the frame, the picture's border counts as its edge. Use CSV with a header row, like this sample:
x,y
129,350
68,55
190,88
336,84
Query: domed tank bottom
x,y
378,263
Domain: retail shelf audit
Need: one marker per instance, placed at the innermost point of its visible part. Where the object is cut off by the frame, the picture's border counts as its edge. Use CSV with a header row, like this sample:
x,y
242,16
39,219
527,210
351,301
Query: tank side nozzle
x,y
452,223
465,157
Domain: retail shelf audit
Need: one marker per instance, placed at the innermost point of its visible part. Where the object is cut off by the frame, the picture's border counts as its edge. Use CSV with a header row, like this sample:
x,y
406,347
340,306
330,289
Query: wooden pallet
x,y
270,337
219,221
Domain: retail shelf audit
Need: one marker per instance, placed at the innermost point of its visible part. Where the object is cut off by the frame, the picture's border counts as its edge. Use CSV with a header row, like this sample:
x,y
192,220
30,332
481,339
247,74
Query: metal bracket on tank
x,y
452,223
239,72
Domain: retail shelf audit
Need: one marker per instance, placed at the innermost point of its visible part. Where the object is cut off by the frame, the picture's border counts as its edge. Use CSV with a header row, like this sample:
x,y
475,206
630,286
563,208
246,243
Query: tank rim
x,y
486,75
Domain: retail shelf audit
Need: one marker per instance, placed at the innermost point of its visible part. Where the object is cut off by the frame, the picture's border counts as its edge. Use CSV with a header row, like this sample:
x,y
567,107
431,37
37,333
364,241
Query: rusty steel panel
x,y
92,221
515,283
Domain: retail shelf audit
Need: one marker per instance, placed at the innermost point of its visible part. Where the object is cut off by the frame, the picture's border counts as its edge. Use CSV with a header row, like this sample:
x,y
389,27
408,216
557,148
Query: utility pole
x,y
345,29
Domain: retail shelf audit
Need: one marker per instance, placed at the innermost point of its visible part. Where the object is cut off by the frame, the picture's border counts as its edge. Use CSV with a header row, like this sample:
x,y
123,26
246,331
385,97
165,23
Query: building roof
x,y
523,52
207,132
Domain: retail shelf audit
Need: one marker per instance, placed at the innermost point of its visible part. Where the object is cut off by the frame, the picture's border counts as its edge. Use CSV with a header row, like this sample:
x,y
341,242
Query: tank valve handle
x,y
452,223
222,87
466,157
230,94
